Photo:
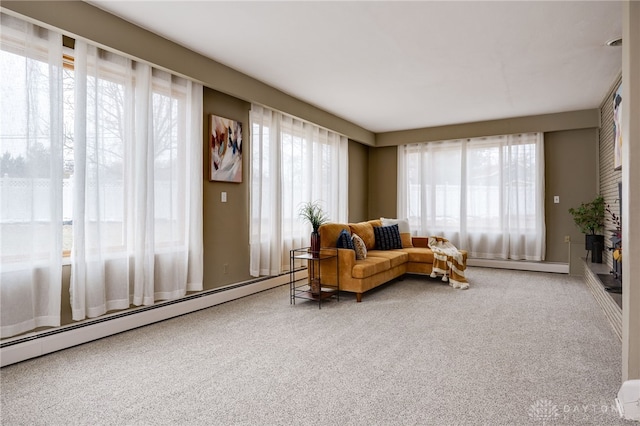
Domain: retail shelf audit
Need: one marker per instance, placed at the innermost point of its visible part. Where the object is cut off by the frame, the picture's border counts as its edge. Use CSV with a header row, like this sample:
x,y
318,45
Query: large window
x,y
486,195
292,161
101,162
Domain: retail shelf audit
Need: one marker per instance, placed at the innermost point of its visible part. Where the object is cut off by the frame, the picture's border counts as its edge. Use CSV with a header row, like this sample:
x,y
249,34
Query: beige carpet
x,y
516,348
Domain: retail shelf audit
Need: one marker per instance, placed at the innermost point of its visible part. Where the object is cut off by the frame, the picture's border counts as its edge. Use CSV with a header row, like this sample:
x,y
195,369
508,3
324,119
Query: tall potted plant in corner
x,y
589,218
312,212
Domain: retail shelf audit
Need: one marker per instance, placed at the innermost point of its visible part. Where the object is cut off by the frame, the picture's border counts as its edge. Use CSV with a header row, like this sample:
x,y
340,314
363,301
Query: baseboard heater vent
x,y
43,342
520,265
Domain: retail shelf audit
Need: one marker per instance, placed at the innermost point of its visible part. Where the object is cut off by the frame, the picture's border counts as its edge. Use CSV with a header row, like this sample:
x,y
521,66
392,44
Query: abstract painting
x,y
225,149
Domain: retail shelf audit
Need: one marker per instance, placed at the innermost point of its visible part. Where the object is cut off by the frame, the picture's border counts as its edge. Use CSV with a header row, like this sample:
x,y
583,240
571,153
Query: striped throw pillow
x,y
387,237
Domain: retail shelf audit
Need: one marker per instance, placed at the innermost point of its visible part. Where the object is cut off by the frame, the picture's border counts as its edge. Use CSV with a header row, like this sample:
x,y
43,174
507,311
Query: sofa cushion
x,y
359,246
419,254
364,231
344,240
403,224
329,233
407,242
403,227
370,266
387,237
396,257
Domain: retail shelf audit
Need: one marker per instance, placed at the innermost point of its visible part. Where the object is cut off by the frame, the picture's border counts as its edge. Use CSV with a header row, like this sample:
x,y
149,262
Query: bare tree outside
x,y
25,151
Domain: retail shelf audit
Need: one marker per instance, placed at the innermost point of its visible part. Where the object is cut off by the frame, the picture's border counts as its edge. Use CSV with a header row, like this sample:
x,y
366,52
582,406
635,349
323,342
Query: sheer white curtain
x,y
292,161
137,234
486,195
31,146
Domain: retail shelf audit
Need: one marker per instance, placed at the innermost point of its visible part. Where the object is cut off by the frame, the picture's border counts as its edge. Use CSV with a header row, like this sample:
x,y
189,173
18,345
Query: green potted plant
x,y
589,218
312,212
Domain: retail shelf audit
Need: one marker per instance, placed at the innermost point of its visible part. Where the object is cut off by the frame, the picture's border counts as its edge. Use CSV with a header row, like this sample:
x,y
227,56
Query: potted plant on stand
x,y
312,212
589,218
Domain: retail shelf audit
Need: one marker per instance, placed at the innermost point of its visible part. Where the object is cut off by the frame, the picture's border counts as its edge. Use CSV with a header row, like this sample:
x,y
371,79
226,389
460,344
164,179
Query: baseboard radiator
x,y
521,265
36,344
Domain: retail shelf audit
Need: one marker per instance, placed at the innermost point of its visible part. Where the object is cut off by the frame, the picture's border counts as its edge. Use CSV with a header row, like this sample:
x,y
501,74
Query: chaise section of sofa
x,y
380,266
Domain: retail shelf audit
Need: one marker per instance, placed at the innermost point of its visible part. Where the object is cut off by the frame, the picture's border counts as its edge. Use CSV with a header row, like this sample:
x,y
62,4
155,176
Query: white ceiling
x,y
391,65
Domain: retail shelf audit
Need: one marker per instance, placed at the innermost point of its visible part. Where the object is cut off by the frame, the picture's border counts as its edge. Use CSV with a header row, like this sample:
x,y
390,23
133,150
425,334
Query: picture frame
x,y
225,149
618,139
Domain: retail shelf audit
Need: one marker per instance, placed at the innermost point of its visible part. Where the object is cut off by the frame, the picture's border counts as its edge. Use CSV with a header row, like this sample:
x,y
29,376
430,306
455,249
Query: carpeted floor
x,y
516,348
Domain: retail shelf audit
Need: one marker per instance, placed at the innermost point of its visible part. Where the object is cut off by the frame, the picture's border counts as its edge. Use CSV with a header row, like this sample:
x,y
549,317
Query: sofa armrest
x,y
346,260
420,241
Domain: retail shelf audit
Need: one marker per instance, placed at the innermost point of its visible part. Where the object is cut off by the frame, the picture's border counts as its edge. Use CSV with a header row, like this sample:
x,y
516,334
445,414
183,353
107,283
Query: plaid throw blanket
x,y
448,261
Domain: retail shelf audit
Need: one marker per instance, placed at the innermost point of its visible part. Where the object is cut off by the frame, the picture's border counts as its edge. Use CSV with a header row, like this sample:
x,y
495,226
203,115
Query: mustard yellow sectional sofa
x,y
379,266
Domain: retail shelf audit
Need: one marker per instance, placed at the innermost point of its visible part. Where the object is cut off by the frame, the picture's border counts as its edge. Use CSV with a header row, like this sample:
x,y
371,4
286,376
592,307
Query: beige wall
x,y
358,182
571,173
226,225
383,182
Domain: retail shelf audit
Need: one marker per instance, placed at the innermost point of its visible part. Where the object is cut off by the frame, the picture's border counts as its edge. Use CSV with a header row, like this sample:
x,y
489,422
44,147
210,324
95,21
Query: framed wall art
x,y
225,149
617,129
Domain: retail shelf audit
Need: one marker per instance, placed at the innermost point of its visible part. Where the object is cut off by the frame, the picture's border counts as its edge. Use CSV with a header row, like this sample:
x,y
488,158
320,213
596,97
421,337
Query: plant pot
x,y
595,244
315,243
589,239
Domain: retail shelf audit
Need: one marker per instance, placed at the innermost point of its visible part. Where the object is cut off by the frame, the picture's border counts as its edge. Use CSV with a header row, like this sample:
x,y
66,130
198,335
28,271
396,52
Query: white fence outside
x,y
28,200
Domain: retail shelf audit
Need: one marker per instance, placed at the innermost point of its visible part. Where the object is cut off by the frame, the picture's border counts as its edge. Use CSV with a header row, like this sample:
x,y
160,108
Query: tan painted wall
x,y
226,225
383,180
65,309
358,182
570,172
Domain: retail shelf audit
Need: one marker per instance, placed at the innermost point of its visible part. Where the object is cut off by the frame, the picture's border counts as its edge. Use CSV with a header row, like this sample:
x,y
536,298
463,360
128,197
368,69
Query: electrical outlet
x,y
556,199
226,268
567,239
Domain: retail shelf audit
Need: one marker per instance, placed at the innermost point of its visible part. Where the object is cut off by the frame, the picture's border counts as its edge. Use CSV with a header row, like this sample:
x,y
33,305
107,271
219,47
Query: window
x,y
486,195
101,159
292,161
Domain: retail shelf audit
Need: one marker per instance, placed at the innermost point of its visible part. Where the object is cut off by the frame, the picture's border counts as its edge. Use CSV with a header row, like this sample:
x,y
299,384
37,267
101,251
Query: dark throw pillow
x,y
344,240
387,237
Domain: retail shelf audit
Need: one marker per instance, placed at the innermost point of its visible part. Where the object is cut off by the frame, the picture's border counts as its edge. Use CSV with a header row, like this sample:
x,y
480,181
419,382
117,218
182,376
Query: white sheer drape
x,y
138,184
486,195
31,178
292,161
